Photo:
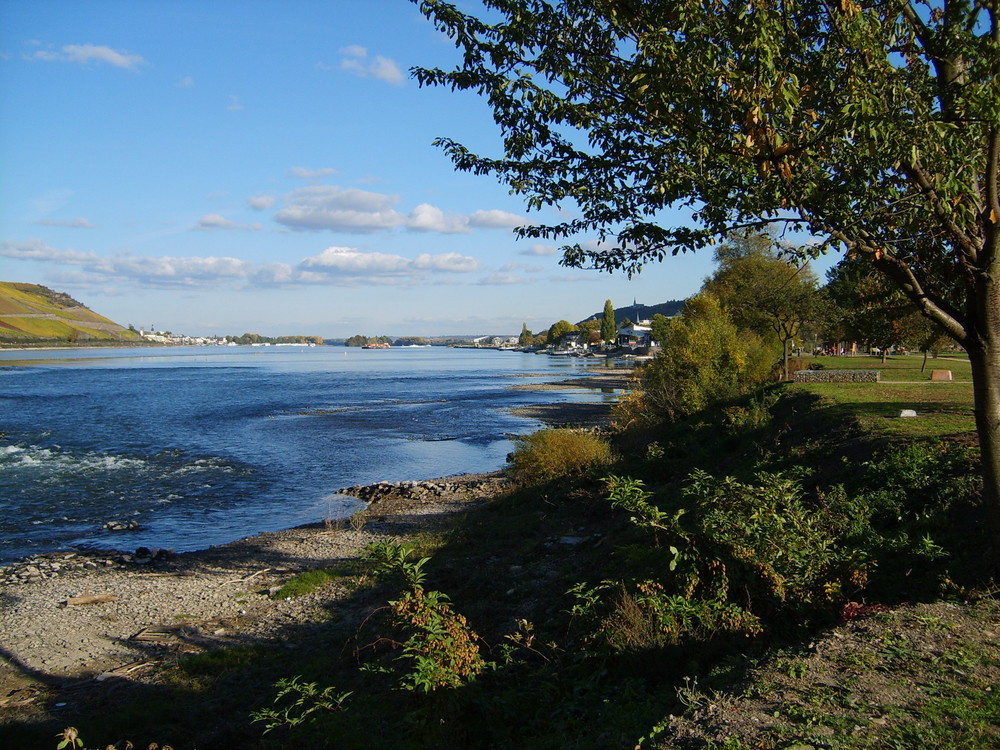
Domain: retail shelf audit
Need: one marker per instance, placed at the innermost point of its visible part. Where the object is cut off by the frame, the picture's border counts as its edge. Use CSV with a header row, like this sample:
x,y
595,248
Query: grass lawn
x,y
944,409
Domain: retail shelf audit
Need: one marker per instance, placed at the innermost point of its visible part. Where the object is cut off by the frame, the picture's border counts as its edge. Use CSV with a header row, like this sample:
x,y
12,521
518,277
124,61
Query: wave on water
x,y
13,457
59,497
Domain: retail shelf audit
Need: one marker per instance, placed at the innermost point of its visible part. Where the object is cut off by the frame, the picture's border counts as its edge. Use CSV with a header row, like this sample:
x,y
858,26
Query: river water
x,y
204,445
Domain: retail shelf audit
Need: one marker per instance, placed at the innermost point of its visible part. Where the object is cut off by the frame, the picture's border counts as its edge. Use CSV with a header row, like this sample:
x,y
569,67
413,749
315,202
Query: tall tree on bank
x,y
609,329
875,126
525,339
762,291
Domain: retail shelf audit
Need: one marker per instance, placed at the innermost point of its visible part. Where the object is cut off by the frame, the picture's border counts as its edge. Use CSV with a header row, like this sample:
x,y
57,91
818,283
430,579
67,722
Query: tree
x,y
557,330
525,339
875,126
705,359
872,310
659,327
591,330
609,330
763,291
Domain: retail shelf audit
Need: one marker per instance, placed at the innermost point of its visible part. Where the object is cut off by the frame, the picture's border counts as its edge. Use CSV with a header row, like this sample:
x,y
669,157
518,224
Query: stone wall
x,y
837,376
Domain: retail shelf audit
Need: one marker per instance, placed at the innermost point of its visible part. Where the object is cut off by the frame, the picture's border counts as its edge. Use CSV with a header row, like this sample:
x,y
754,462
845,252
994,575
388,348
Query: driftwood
x,y
92,599
247,577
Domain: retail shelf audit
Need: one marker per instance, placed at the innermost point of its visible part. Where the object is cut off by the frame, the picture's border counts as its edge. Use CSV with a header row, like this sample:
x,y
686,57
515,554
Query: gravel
x,y
152,603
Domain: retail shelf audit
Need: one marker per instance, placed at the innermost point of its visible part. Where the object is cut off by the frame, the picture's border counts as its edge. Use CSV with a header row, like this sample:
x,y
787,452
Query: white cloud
x,y
497,278
354,50
176,271
496,219
274,274
541,250
260,202
185,82
335,266
234,103
77,223
428,218
214,221
349,210
145,271
211,222
37,250
382,68
386,69
351,261
87,53
320,207
311,174
452,262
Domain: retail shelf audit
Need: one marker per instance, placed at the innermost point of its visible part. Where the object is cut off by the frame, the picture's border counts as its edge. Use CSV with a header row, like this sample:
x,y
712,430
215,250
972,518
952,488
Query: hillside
x,y
638,311
33,314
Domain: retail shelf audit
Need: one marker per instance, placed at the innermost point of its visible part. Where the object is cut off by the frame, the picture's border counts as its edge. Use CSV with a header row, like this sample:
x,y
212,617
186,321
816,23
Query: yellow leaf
x,y
993,216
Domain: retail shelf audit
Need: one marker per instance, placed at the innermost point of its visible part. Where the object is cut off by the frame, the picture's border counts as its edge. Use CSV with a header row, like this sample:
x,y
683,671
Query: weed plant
x,y
552,454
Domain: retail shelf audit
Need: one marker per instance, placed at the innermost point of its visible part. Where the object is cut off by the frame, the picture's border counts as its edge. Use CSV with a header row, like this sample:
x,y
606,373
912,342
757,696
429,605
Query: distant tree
x,y
762,291
591,331
525,339
609,329
558,330
659,327
356,340
873,311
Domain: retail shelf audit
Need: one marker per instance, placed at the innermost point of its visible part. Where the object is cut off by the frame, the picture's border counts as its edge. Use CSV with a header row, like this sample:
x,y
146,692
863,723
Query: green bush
x,y
704,361
557,453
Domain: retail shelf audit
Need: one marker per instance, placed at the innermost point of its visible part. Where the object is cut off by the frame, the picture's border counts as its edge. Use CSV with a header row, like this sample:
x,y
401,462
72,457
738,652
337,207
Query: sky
x,y
267,166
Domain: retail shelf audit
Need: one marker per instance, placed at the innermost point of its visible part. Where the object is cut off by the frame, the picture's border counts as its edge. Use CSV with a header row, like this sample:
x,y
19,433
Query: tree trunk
x,y
985,361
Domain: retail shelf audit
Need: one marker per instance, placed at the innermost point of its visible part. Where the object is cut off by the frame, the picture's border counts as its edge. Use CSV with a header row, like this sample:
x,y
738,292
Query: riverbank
x,y
126,619
72,618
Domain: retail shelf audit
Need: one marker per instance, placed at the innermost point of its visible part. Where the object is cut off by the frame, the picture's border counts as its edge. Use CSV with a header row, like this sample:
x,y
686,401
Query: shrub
x,y
440,646
557,453
704,361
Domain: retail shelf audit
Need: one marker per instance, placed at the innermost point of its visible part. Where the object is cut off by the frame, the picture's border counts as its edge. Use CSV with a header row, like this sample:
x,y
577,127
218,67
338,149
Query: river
x,y
204,445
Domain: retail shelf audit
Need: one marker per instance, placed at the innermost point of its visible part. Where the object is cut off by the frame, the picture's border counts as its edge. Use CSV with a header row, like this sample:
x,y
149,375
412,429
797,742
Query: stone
x,y
941,375
907,414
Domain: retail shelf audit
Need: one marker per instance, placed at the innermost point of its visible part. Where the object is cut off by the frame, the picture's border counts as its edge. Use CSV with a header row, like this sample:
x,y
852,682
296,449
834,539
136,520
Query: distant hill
x,y
637,311
33,314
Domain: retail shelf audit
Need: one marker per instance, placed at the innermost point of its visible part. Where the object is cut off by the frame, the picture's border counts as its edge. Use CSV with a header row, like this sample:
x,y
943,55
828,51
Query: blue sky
x,y
266,166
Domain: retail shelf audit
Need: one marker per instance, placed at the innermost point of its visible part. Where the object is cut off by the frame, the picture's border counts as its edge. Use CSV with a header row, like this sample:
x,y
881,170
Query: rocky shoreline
x,y
67,617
